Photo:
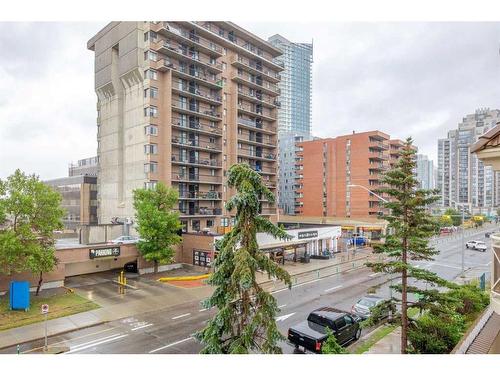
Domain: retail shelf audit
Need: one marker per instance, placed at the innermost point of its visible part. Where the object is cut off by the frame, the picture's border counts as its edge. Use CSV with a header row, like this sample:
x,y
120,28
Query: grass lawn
x,y
59,305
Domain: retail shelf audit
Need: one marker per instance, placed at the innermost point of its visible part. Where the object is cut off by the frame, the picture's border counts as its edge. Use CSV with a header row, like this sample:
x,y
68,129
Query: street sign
x,y
104,252
45,308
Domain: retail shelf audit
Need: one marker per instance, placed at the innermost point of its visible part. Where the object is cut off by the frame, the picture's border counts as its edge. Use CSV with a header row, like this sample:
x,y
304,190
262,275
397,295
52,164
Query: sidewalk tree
x,y
158,224
245,321
455,215
445,221
30,212
409,227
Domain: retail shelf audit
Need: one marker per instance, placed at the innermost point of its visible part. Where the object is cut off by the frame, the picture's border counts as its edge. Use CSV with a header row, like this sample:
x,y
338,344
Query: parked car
x,y
125,240
476,245
488,234
311,334
363,307
130,267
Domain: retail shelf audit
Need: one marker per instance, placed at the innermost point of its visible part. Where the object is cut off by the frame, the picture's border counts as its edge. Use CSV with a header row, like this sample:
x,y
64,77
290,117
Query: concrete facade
x,y
425,172
180,102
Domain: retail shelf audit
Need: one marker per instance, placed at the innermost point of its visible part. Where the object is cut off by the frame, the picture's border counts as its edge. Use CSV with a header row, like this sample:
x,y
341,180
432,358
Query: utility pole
x,y
463,246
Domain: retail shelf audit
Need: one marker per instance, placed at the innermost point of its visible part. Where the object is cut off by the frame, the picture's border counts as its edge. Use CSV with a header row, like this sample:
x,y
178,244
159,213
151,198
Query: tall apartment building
x,y
287,172
180,102
462,177
425,172
295,114
328,168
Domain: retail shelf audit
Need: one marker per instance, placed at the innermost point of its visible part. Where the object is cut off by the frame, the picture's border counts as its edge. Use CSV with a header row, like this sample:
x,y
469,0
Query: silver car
x,y
476,245
363,306
125,240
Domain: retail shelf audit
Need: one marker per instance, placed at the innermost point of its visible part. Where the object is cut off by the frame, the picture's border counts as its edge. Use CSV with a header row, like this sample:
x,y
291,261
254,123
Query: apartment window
x,y
151,111
151,167
150,55
151,148
210,223
150,185
151,74
152,92
151,130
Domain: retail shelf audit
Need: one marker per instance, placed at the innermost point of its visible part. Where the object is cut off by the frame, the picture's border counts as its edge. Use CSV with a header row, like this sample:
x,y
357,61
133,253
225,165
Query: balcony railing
x,y
256,140
256,125
211,146
195,126
259,98
200,211
257,83
256,68
187,73
257,154
196,93
168,29
170,48
196,177
198,161
206,195
262,169
196,109
257,112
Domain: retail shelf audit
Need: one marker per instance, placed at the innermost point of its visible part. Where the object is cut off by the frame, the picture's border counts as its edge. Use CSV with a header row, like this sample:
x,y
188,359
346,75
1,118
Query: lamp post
x,y
462,233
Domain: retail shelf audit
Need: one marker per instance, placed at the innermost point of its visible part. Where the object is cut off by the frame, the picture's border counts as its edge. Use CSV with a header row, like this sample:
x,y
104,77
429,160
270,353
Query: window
x,y
340,323
151,167
210,223
151,148
150,35
153,92
151,130
150,55
151,74
150,185
151,111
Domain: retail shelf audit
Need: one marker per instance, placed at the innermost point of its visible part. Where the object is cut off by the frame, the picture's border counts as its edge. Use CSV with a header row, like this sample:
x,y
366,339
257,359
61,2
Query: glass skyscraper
x,y
294,115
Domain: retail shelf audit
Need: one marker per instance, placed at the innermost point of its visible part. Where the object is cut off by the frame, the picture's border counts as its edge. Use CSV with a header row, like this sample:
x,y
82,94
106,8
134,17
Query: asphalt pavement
x,y
169,331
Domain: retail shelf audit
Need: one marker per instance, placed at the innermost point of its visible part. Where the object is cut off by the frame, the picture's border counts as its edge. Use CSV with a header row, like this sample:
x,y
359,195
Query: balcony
x,y
378,145
200,195
269,129
199,211
264,86
255,154
256,141
181,89
195,144
172,31
239,44
495,273
174,50
197,162
378,156
268,211
196,127
263,170
250,111
196,177
242,62
164,65
258,99
198,110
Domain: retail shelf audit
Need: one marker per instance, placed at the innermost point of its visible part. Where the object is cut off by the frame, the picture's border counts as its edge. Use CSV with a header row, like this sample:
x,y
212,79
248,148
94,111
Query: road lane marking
x,y
284,317
141,327
74,338
333,288
169,345
374,274
95,340
97,343
202,310
180,316
281,306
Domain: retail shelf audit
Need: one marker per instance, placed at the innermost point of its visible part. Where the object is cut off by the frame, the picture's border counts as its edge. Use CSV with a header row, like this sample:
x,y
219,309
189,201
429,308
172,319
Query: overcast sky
x,y
405,79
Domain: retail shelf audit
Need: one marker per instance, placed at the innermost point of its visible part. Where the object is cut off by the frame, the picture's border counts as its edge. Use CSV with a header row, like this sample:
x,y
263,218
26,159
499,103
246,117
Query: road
x,y
170,331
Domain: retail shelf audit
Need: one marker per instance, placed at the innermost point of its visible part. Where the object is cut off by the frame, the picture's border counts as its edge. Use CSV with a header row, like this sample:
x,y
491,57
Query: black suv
x,y
312,333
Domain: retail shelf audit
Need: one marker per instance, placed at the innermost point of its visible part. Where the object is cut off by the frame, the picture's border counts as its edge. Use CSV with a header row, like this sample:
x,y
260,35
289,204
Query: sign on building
x,y
308,234
201,258
104,252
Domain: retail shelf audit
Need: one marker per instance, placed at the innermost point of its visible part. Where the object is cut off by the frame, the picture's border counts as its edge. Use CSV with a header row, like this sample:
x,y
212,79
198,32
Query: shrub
x,y
331,346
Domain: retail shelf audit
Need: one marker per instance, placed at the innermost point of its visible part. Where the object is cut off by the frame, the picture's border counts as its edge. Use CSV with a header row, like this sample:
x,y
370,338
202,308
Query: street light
x,y
368,190
462,233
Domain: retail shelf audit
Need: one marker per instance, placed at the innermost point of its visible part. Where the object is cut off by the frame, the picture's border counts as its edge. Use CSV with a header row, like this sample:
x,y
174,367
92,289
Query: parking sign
x,y
45,308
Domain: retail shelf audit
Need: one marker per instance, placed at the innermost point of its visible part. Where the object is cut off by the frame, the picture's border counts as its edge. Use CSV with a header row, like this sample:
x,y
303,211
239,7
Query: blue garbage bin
x,y
19,295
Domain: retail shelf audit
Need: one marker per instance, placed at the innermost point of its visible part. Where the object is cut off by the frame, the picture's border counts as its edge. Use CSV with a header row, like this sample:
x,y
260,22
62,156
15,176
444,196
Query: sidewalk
x,y
300,272
390,344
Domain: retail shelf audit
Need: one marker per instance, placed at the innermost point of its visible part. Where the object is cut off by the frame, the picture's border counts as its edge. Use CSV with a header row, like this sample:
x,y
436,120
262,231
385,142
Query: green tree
x,y
331,346
445,221
158,224
455,215
30,212
410,227
245,319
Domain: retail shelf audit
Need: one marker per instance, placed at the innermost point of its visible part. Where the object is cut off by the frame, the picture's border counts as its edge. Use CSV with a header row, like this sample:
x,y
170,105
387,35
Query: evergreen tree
x,y
245,320
331,346
409,228
157,224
